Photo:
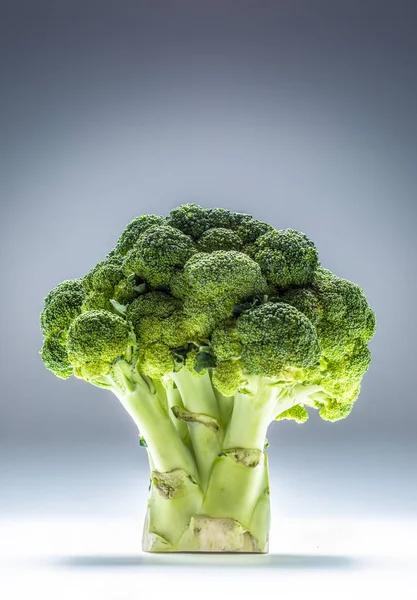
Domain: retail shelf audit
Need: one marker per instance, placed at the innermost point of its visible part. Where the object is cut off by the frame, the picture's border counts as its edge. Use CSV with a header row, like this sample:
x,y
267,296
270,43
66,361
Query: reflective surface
x,y
70,526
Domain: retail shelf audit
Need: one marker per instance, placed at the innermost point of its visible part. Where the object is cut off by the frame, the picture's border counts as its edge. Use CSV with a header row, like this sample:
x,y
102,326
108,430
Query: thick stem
x,y
197,392
229,511
164,444
174,399
225,404
168,517
211,495
261,515
235,488
236,518
239,474
251,415
198,397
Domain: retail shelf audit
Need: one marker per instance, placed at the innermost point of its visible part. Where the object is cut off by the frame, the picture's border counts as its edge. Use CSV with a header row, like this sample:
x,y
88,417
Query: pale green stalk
x,y
198,397
209,472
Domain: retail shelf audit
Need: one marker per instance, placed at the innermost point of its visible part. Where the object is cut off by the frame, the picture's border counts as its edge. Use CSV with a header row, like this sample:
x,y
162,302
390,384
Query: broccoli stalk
x,y
211,501
203,419
207,326
210,487
146,408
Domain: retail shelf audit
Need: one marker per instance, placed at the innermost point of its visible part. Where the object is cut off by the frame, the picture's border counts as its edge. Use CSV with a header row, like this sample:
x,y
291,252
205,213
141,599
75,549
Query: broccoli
x,y
207,325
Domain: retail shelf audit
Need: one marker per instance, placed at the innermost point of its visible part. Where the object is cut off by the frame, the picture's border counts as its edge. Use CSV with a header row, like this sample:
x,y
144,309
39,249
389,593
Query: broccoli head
x,y
256,297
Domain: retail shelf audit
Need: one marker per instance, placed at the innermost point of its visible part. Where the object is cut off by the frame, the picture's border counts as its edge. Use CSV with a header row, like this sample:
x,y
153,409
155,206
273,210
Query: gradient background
x,y
303,113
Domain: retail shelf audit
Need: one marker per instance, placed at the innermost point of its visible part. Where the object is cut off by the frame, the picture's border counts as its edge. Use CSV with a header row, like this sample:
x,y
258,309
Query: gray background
x,y
301,113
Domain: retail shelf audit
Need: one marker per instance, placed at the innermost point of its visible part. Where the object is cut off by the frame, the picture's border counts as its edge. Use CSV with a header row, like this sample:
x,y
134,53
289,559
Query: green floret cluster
x,y
255,298
287,257
207,325
275,336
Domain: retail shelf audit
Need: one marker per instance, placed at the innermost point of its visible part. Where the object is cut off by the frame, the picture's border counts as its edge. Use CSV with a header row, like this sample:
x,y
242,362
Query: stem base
x,y
206,534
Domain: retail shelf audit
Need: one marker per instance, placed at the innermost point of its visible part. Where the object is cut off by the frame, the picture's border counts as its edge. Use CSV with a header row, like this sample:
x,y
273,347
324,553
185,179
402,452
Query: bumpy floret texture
x,y
219,238
228,377
62,305
156,360
95,340
54,355
134,230
157,316
105,283
160,252
225,342
223,276
69,286
296,413
287,257
221,291
275,335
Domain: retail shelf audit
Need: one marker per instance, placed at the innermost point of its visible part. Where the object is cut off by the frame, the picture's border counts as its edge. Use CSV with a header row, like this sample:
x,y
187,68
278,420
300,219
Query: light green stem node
x,y
190,417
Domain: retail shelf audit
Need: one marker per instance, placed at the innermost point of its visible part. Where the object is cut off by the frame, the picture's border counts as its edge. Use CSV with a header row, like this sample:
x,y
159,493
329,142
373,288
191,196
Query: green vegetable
x,y
208,325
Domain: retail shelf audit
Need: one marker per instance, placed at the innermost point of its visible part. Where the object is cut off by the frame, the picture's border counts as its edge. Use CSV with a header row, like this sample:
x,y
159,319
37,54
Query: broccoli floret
x,y
202,315
346,314
62,305
105,275
106,278
213,283
165,248
96,301
223,275
228,377
106,283
134,230
195,221
340,379
219,239
276,335
287,257
335,411
159,253
295,413
124,292
95,339
243,225
306,301
220,218
158,316
156,360
148,313
250,229
191,219
73,286
153,304
197,361
54,355
207,326
177,329
225,342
